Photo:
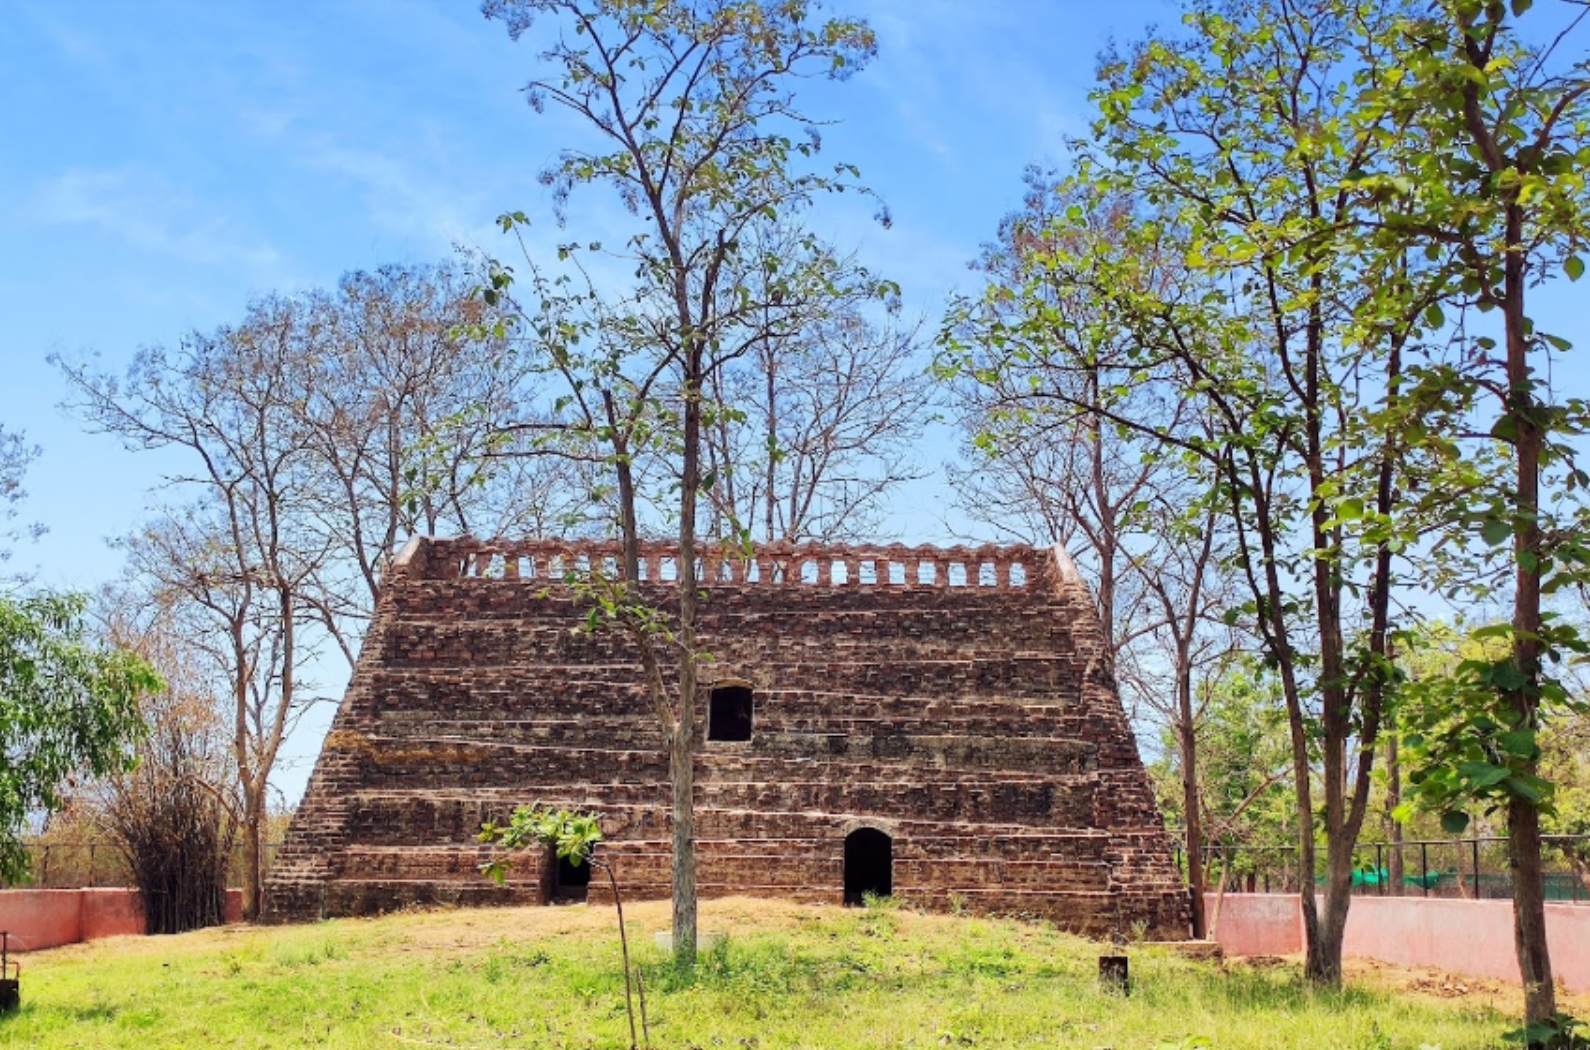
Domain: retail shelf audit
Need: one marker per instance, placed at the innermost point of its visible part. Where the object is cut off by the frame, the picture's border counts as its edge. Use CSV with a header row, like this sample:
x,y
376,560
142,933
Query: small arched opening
x,y
869,865
572,881
729,710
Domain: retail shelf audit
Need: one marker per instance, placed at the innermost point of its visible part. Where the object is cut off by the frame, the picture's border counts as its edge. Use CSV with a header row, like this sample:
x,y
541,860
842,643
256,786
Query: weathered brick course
x,y
958,700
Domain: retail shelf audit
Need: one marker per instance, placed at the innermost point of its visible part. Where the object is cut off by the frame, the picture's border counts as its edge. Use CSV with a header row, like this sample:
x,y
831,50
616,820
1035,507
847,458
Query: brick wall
x,y
956,699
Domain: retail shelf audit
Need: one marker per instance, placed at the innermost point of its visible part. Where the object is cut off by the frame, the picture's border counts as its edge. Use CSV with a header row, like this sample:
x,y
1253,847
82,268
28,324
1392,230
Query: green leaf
x,y
1506,676
1482,774
1520,742
1495,531
1454,821
1574,266
1523,789
1434,317
69,707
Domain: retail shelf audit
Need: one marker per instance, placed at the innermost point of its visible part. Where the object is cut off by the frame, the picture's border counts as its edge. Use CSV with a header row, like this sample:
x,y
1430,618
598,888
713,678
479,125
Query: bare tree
x,y
15,455
1185,648
691,110
815,420
249,569
313,437
174,816
399,389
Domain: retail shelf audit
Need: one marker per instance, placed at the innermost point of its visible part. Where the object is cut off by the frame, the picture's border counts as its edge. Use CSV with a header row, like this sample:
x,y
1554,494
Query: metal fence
x,y
1469,869
78,865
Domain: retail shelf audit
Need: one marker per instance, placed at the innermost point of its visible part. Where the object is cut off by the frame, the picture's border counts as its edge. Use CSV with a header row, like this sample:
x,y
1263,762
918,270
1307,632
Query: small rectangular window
x,y
729,713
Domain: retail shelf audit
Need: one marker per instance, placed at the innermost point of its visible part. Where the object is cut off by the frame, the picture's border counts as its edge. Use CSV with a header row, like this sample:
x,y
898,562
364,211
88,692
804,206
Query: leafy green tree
x,y
1565,762
1494,190
1036,369
1234,143
693,123
68,708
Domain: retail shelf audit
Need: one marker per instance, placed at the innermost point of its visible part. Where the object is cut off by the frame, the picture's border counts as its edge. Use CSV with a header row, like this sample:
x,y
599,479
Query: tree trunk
x,y
1523,817
1394,866
681,781
1194,820
253,859
1529,911
771,442
1220,895
682,747
1324,964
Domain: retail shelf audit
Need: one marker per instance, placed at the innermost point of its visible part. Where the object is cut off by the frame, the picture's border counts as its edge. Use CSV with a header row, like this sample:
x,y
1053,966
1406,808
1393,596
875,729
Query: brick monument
x,y
938,724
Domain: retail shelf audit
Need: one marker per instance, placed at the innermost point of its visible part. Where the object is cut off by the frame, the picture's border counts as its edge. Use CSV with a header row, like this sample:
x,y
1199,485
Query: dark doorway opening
x,y
869,865
573,881
729,713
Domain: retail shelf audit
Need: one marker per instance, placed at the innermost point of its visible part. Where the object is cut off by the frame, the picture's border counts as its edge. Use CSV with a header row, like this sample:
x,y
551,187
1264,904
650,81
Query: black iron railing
x,y
1473,868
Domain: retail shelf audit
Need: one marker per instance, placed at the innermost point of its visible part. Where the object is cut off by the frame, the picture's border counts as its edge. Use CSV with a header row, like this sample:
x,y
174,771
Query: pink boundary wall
x,y
1467,937
39,919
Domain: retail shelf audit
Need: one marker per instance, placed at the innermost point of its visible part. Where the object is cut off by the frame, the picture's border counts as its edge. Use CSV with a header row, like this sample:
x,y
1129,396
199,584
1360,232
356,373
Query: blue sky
x,y
162,162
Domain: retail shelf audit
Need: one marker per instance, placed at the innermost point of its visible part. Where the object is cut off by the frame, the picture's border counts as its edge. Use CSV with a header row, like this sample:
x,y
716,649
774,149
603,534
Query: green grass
x,y
786,976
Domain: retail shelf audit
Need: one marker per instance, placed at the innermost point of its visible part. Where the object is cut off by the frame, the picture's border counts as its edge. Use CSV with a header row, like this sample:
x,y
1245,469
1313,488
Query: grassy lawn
x,y
785,976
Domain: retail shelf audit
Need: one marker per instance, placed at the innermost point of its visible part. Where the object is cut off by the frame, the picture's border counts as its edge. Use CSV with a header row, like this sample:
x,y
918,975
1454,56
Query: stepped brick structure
x,y
941,724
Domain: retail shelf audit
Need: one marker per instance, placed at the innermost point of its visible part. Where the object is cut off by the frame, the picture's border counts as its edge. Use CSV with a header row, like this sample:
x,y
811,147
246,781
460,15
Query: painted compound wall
x,y
1467,937
39,919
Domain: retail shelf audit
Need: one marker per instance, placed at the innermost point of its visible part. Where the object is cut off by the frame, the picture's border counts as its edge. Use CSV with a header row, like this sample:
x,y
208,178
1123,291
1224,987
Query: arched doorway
x,y
573,881
869,864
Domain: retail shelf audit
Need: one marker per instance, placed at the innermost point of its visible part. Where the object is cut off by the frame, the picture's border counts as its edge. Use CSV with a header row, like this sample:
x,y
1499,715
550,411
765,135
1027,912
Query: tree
x,y
1240,145
173,816
693,118
401,405
1496,195
1032,359
1188,646
15,455
821,414
1244,136
312,436
238,556
1565,762
1247,809
68,708
560,835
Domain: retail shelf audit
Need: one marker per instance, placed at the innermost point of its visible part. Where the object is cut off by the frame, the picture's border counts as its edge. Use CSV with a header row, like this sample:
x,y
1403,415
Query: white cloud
x,y
145,211
401,196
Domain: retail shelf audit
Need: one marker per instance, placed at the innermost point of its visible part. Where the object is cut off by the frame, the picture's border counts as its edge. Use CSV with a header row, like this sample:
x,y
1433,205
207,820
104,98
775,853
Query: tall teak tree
x,y
694,124
1497,195
1237,140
